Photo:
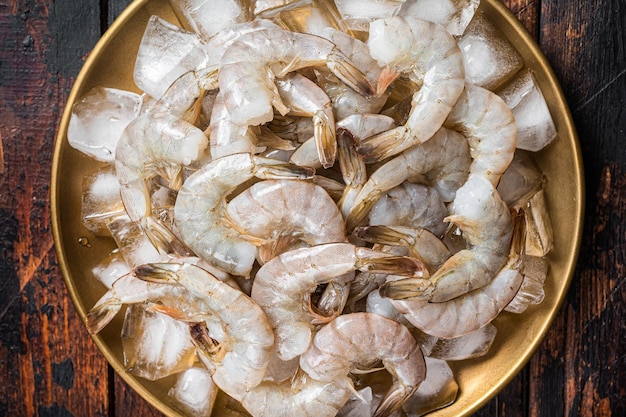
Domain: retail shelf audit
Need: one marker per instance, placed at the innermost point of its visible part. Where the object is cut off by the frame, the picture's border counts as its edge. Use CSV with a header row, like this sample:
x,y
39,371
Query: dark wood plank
x,y
49,365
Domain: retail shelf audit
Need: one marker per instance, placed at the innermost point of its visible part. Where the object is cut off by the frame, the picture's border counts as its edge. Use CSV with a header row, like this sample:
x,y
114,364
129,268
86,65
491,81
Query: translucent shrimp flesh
x,y
472,311
282,287
429,55
200,209
239,361
488,123
442,162
487,227
247,71
301,396
284,213
356,341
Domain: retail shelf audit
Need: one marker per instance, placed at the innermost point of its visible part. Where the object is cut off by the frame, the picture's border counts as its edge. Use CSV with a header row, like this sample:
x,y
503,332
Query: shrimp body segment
x,y
286,212
488,123
487,227
200,209
282,287
359,340
238,363
251,63
303,396
429,55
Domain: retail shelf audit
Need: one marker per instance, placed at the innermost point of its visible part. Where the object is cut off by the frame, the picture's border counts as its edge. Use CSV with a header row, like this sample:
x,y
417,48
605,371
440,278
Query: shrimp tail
x,y
383,145
393,399
101,315
283,171
387,76
209,350
162,237
383,235
394,265
408,288
344,69
325,139
160,273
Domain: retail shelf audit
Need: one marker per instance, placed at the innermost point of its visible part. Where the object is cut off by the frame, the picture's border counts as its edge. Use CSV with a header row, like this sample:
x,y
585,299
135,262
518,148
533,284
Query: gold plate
x,y
111,65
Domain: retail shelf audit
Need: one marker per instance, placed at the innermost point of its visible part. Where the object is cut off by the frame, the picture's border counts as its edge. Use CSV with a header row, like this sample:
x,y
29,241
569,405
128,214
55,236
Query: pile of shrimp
x,y
333,213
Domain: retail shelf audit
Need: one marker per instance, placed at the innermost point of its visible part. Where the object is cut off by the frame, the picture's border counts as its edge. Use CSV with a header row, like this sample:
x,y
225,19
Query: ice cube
x,y
208,17
535,126
358,14
101,201
438,390
154,344
468,346
110,269
454,15
98,120
531,292
539,233
313,18
490,59
194,392
165,53
133,243
268,8
521,180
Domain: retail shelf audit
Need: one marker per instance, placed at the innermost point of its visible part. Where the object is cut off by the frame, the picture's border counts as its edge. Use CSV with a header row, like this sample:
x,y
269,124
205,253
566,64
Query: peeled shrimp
x,y
285,212
301,396
282,287
442,162
470,312
488,123
238,362
200,209
487,227
429,55
252,62
359,340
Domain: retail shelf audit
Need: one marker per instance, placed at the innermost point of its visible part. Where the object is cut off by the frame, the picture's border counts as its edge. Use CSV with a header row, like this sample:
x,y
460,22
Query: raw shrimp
x,y
345,100
488,123
129,290
238,362
226,137
154,144
442,162
359,340
429,55
252,62
487,227
200,209
470,312
302,396
282,287
284,213
410,205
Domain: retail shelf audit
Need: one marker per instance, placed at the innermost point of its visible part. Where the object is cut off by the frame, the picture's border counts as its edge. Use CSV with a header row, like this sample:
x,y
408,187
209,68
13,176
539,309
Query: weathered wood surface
x,y
50,367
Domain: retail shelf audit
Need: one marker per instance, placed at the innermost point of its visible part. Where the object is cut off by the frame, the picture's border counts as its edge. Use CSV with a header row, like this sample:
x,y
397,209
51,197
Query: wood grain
x,y
49,365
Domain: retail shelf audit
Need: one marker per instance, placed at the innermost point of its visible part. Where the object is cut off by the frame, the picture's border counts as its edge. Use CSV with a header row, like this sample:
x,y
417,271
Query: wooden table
x,y
50,367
